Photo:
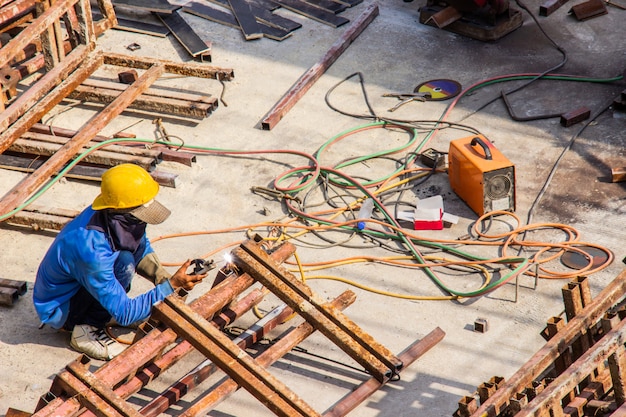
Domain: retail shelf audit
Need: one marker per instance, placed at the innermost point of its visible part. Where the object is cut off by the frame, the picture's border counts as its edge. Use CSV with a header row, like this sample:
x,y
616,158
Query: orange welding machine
x,y
481,175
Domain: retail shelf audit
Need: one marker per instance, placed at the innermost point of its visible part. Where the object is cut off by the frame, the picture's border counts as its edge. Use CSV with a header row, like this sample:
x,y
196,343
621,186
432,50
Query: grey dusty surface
x,y
394,54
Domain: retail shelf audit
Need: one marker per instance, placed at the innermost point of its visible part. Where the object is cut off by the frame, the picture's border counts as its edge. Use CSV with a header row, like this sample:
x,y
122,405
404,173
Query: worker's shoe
x,y
95,342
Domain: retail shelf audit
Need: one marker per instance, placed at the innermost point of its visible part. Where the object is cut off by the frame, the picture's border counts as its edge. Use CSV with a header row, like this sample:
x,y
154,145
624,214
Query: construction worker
x,y
83,280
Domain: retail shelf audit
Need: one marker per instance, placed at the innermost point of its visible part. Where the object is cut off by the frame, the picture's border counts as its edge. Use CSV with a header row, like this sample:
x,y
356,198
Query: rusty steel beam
x,y
304,83
148,350
278,349
90,129
40,92
347,335
367,388
231,359
561,342
15,8
189,69
42,218
192,379
550,398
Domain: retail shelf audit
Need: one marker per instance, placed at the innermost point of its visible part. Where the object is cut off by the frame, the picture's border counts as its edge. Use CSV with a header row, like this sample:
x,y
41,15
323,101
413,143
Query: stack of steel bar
x,y
56,50
581,370
176,329
10,290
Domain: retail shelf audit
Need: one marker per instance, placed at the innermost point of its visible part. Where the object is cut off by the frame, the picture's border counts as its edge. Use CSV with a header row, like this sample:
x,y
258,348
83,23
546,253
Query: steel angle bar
x,y
240,366
278,349
359,345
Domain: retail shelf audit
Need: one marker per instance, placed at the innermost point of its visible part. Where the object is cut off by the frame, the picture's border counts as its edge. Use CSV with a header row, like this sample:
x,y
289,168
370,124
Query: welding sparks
x,y
228,258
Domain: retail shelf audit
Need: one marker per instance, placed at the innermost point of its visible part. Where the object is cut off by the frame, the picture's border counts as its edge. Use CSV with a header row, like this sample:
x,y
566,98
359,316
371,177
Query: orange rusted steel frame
x,y
148,349
90,129
267,358
271,355
231,359
367,388
347,335
561,342
552,395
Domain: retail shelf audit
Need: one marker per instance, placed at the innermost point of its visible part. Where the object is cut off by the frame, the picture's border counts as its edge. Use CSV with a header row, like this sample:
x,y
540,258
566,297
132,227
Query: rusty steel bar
x,y
216,346
78,369
550,397
34,29
90,129
84,396
279,349
16,8
201,372
188,68
337,327
543,358
151,346
367,388
46,83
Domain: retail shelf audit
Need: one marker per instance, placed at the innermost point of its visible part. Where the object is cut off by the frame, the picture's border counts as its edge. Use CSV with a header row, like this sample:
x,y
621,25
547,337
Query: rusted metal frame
x,y
107,157
146,155
78,369
617,362
618,174
192,379
16,8
367,388
39,98
216,346
550,397
90,129
189,69
545,357
38,26
554,325
51,38
362,347
85,30
157,92
109,19
8,296
38,218
304,83
276,351
83,396
155,104
149,347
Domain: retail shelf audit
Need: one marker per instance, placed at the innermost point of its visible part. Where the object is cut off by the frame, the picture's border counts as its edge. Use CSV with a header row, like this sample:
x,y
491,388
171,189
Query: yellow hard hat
x,y
125,186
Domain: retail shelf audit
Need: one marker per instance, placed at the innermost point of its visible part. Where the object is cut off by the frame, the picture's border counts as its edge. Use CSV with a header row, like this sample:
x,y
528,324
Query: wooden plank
x,y
184,33
91,128
156,6
247,22
313,12
307,79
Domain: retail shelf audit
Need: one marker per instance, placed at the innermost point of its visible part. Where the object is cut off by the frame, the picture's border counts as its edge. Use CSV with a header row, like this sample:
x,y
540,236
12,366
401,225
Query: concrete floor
x,y
394,54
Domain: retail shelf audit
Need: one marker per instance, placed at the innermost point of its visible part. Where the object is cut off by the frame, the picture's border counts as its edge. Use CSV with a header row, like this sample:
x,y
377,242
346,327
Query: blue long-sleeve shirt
x,y
83,257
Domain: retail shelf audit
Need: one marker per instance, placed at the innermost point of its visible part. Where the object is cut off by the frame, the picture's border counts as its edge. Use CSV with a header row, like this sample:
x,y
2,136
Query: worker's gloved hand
x,y
150,267
181,279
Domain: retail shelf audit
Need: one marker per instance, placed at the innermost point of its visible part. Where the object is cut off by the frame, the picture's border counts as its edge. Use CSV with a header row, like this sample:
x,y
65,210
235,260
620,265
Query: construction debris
x,y
10,290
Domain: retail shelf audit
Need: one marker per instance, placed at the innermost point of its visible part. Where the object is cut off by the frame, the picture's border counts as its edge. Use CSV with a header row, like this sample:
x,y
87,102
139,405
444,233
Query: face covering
x,y
124,230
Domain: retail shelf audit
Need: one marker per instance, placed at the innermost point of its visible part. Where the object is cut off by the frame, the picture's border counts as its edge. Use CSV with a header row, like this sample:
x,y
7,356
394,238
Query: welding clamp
x,y
201,266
